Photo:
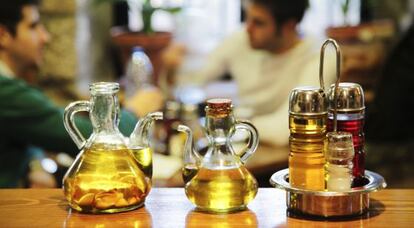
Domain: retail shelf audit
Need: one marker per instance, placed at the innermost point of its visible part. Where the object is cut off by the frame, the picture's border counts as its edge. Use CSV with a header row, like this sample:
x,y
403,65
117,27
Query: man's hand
x,y
172,56
41,179
145,100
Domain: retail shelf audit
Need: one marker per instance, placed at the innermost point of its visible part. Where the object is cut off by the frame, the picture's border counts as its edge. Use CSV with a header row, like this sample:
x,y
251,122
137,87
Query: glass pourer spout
x,y
192,158
140,135
139,143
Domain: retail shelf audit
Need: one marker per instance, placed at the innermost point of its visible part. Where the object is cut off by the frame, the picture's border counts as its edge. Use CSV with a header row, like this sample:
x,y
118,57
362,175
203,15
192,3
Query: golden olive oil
x,y
221,190
106,181
188,172
306,158
144,158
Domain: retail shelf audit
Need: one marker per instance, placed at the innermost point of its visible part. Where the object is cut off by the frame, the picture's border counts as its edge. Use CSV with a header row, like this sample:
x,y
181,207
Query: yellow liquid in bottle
x,y
306,158
188,172
144,158
221,190
106,181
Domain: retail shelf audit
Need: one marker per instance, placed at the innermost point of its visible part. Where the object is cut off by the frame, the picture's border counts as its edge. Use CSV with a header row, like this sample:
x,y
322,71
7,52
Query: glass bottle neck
x,y
220,129
104,112
221,154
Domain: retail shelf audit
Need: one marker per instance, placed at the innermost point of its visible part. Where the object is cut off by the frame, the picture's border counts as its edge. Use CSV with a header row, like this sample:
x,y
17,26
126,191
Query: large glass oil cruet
x,y
105,176
219,182
307,123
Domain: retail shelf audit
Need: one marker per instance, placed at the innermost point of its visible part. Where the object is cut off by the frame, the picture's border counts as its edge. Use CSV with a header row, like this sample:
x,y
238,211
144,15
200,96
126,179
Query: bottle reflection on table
x,y
137,218
245,218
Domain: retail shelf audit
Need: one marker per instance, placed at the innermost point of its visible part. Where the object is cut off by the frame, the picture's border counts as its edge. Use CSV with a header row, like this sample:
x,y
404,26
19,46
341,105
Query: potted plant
x,y
345,31
153,42
147,11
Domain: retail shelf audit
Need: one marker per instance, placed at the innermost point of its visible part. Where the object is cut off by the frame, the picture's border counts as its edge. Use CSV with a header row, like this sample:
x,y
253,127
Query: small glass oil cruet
x,y
105,176
219,182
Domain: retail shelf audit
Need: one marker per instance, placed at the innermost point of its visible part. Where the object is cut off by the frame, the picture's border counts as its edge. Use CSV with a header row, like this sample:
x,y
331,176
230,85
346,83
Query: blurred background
x,y
92,40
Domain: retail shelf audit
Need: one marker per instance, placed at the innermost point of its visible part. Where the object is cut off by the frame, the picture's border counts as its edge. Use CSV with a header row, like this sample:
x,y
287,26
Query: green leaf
x,y
147,12
345,6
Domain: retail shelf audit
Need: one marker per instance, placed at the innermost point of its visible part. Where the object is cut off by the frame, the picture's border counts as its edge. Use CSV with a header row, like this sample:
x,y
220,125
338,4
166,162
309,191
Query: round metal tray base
x,y
326,203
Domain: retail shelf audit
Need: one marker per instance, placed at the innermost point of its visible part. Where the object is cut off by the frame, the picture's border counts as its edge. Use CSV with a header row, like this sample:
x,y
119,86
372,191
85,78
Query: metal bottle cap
x,y
307,100
350,97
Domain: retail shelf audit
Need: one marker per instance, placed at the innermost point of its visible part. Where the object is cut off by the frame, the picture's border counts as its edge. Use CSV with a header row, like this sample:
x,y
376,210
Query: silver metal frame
x,y
326,203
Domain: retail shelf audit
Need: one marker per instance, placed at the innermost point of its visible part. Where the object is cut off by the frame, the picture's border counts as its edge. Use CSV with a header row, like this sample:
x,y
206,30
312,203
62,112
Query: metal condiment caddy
x,y
307,198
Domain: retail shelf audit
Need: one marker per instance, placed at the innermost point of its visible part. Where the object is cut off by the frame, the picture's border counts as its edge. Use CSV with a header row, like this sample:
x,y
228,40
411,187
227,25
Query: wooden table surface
x,y
169,207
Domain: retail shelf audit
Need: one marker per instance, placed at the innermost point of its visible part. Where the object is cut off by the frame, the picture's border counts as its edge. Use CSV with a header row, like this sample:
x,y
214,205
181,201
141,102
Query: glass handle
x,y
253,139
69,121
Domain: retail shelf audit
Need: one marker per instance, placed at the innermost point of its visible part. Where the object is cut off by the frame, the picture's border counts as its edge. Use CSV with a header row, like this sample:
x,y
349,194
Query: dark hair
x,y
11,13
284,10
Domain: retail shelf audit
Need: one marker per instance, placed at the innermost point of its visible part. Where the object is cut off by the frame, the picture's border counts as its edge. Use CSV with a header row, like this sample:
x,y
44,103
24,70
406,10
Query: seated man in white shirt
x,y
267,59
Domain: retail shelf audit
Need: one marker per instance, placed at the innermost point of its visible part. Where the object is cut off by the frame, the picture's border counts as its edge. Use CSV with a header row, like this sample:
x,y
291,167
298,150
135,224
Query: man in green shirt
x,y
27,117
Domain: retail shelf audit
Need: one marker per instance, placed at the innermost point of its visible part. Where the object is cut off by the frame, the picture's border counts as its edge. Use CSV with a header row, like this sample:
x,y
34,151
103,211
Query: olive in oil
x,y
306,158
221,190
118,185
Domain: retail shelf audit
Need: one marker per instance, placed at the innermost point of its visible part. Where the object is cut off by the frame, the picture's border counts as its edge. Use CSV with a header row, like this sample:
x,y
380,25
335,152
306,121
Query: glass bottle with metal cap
x,y
219,182
307,124
350,118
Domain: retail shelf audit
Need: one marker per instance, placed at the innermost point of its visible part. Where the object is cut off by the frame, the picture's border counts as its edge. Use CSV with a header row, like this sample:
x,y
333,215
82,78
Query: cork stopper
x,y
218,107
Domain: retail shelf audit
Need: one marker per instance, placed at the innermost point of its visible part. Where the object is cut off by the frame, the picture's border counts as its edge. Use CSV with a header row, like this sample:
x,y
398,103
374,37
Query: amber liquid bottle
x,y
306,158
105,177
219,182
307,124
